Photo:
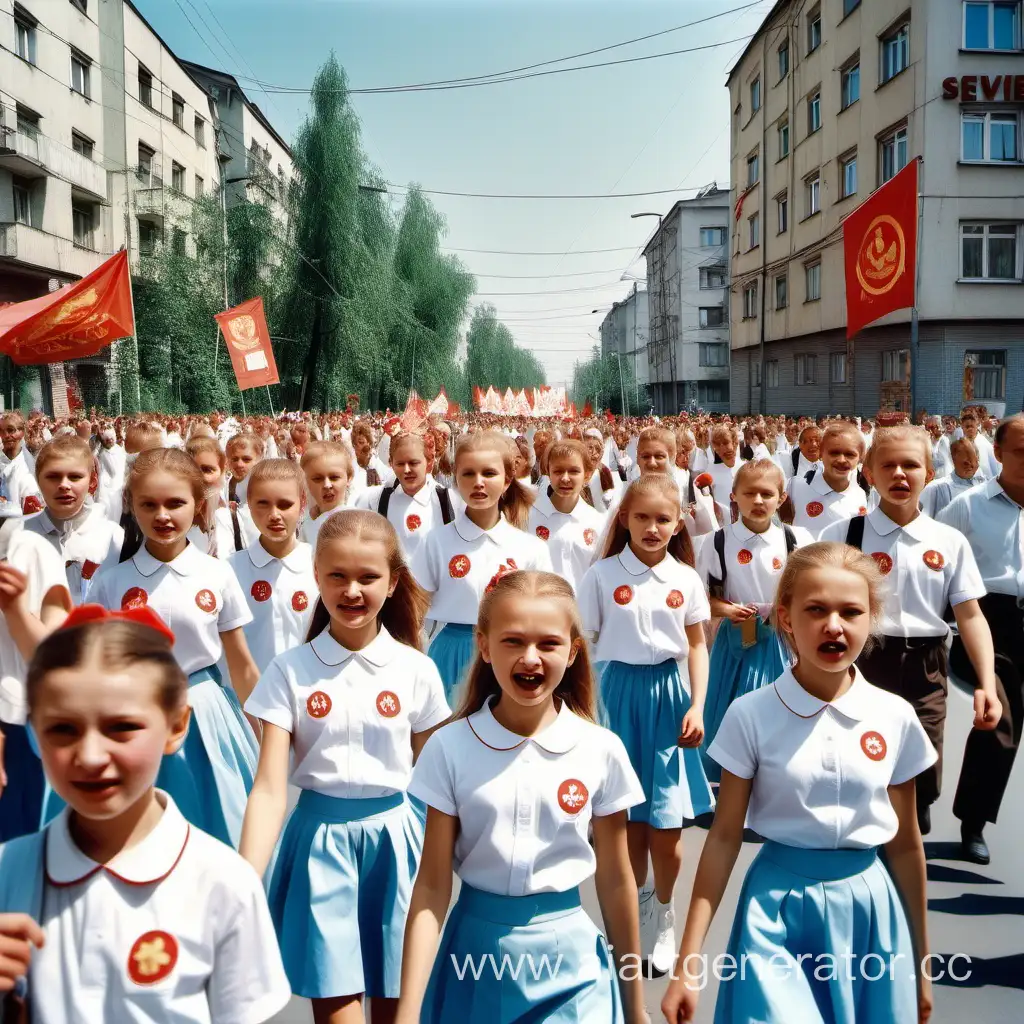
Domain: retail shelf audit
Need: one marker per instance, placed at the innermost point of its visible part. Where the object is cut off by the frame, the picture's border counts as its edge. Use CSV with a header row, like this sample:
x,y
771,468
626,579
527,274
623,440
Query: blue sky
x,y
650,125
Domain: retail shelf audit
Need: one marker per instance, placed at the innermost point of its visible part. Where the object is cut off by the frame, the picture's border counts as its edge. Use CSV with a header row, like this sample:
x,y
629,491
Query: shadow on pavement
x,y
1002,971
975,904
944,873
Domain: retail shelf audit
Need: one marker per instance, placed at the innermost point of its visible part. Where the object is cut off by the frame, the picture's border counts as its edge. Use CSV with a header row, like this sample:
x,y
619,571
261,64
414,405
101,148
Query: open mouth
x,y
531,681
833,649
99,787
352,609
899,489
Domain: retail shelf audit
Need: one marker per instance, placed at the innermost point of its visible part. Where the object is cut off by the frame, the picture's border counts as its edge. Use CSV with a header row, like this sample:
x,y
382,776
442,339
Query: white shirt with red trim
x,y
525,804
817,506
175,928
641,613
413,518
351,714
197,595
926,566
572,537
281,594
458,562
821,771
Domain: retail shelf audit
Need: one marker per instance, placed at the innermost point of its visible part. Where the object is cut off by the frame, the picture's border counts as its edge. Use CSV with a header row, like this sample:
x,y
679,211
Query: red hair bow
x,y
143,616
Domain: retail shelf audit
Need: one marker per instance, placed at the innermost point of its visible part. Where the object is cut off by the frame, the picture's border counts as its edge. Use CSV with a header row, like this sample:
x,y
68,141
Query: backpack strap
x,y
132,537
790,539
236,529
808,477
716,587
444,499
855,532
795,456
385,498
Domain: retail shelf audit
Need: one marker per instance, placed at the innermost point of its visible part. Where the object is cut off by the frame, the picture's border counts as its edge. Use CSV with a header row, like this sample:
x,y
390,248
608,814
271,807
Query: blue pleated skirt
x,y
21,802
452,651
644,706
734,671
521,960
825,905
211,775
340,893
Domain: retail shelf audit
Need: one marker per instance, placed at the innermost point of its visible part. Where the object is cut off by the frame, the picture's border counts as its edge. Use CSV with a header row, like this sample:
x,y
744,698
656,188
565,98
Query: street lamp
x,y
662,318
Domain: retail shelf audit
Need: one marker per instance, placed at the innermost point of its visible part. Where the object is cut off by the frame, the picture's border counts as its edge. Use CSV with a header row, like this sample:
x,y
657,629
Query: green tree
x,y
605,381
493,358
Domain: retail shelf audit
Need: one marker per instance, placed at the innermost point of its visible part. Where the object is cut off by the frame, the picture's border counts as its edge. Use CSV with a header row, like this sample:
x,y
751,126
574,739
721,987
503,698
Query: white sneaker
x,y
647,901
664,929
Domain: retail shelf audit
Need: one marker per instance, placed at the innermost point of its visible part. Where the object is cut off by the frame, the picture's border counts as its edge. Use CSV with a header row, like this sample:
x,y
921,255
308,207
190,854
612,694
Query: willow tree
x,y
493,358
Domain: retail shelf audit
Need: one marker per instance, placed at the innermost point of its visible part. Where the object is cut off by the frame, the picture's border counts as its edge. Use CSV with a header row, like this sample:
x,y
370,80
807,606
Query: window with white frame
x,y
711,278
783,59
781,291
990,252
837,367
200,133
892,153
145,86
989,373
80,73
145,168
814,112
178,111
28,121
750,301
805,368
850,84
814,29
990,136
848,175
755,95
754,230
200,186
895,363
782,203
712,236
753,169
82,221
895,52
712,354
812,282
783,140
992,25
22,194
24,34
812,193
771,373
82,145
712,316
177,177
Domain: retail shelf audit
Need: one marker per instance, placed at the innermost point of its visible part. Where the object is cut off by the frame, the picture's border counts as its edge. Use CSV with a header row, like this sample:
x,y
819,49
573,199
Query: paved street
x,y
973,910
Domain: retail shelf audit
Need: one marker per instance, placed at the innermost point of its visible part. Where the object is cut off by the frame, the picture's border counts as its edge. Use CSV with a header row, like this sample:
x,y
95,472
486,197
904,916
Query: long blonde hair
x,y
654,485
515,502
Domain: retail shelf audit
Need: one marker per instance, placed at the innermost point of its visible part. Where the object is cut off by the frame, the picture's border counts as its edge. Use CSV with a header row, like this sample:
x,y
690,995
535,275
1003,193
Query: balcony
x,y
159,203
48,252
36,156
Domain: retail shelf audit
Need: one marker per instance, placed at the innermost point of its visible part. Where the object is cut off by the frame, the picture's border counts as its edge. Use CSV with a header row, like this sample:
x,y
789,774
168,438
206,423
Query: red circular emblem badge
x,y
674,599
89,569
815,508
135,597
572,796
776,564
388,703
589,537
458,567
318,704
206,601
744,557
623,594
934,560
883,561
31,505
413,523
543,532
873,744
153,957
862,511
261,591
299,601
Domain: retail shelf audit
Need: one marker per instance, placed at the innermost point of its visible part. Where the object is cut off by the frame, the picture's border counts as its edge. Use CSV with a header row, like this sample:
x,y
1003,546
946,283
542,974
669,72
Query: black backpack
x,y
443,498
716,587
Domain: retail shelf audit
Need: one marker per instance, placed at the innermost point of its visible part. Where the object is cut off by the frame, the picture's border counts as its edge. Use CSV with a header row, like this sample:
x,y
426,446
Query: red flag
x,y
743,196
77,321
248,340
415,414
587,410
880,248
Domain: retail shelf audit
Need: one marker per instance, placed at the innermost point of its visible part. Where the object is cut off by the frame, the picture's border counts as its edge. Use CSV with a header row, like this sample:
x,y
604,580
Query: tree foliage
x,y
493,358
607,382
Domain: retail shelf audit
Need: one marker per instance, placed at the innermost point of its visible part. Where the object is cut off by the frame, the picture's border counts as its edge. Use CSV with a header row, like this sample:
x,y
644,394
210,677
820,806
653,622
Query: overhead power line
x,y
545,252
522,195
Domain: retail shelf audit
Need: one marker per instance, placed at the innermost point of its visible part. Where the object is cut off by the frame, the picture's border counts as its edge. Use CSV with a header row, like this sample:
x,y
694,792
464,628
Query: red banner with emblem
x,y
77,321
880,249
248,340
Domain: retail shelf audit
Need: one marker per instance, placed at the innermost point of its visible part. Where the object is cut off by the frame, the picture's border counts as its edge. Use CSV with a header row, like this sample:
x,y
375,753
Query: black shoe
x,y
924,819
973,845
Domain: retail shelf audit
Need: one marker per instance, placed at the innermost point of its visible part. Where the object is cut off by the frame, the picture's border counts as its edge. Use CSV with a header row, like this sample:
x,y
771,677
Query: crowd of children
x,y
528,659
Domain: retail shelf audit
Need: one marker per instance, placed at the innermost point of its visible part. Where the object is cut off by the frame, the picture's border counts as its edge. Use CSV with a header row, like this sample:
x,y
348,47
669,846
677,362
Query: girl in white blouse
x,y
822,765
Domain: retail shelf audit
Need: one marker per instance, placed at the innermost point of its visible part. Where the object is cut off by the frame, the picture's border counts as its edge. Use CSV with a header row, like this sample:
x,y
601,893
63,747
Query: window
x,y
850,85
895,52
783,140
712,236
812,188
756,371
82,145
145,87
814,112
22,201
992,26
712,278
848,175
893,153
894,365
24,35
200,133
712,316
755,95
145,171
849,6
805,367
28,122
178,241
82,223
754,230
989,252
177,177
753,169
80,72
814,29
750,301
713,355
771,373
783,60
178,111
782,202
989,136
200,186
709,391
812,282
781,292
837,367
147,238
989,374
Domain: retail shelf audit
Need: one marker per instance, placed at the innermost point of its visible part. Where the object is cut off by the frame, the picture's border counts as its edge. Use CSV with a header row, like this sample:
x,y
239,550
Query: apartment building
x,y
688,294
624,332
829,101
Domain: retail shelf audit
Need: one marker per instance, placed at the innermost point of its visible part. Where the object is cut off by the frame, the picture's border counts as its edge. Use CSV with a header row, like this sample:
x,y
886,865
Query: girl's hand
x,y
988,709
18,934
692,734
13,584
737,613
680,1002
924,999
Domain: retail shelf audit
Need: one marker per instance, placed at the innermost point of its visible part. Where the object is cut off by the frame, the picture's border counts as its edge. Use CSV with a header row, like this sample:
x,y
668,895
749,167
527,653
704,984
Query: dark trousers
x,y
915,668
988,756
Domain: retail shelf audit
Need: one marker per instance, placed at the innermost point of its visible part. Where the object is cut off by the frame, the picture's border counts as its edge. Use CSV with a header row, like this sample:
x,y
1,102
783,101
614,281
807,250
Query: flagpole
x,y
270,402
914,330
135,335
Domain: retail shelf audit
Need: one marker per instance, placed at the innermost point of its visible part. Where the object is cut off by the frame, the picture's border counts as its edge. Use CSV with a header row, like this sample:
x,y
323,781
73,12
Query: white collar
x,y
543,504
633,565
883,525
469,531
743,533
296,560
855,704
558,738
184,565
423,495
146,863
994,489
378,652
